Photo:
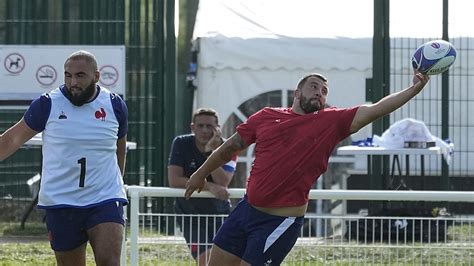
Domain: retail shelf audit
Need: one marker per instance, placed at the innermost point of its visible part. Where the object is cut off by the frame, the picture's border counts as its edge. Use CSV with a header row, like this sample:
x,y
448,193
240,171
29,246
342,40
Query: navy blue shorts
x,y
67,227
199,232
256,237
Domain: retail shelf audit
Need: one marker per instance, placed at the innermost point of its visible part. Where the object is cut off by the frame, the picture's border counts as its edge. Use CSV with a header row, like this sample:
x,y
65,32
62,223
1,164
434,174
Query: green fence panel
x,y
139,25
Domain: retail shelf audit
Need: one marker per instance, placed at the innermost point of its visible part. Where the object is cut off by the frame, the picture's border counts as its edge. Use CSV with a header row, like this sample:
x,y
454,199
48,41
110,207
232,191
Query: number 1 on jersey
x,y
82,177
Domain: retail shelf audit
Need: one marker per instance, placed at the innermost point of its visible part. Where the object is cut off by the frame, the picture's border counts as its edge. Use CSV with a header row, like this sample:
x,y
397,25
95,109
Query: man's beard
x,y
82,98
307,106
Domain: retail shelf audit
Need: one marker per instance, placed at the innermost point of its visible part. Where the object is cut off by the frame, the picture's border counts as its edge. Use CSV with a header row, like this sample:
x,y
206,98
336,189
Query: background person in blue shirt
x,y
188,153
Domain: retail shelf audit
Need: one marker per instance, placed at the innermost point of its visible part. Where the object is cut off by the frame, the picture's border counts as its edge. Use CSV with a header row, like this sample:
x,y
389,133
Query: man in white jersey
x,y
84,128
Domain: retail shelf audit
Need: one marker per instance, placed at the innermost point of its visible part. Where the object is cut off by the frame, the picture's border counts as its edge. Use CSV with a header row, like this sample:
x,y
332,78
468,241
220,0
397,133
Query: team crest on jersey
x,y
62,115
100,114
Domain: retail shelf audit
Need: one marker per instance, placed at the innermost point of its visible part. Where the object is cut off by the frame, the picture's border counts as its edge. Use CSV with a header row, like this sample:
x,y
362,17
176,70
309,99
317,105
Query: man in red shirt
x,y
292,150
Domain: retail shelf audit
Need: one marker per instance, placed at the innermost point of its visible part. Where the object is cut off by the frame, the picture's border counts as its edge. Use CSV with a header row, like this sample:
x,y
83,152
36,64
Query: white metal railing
x,y
137,192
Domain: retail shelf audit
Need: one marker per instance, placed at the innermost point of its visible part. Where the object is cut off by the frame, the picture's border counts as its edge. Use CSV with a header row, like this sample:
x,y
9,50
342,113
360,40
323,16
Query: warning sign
x,y
30,70
108,76
14,63
46,75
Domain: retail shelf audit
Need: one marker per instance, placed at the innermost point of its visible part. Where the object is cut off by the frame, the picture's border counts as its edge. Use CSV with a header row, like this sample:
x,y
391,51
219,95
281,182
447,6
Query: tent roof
x,y
328,18
285,53
262,34
277,18
304,34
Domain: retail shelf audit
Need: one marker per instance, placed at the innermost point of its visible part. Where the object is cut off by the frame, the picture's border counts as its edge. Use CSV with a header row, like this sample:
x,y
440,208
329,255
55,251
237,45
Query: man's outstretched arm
x,y
219,157
14,137
370,112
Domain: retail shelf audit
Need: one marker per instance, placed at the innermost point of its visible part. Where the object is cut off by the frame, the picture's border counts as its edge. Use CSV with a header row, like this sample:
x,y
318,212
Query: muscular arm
x,y
220,156
121,153
176,178
370,112
221,177
218,187
12,139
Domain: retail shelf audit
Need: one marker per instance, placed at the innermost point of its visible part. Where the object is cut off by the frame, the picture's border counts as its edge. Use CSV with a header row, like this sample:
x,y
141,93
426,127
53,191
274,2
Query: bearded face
x,y
312,95
79,96
310,105
80,77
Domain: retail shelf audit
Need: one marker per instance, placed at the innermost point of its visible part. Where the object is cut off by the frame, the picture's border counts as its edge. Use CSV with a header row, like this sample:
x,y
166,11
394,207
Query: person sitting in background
x,y
188,153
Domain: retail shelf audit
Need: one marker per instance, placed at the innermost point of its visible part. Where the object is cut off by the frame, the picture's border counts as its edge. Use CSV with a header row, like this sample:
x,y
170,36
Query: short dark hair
x,y
305,78
206,111
84,55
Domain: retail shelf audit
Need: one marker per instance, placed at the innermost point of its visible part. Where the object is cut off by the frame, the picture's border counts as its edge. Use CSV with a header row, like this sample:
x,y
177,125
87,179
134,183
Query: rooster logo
x,y
100,114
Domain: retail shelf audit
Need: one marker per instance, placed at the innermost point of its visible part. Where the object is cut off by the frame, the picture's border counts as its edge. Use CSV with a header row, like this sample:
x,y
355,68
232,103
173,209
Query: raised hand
x,y
420,80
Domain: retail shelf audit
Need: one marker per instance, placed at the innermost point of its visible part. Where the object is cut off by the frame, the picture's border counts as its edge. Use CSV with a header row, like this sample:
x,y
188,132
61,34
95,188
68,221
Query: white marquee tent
x,y
249,47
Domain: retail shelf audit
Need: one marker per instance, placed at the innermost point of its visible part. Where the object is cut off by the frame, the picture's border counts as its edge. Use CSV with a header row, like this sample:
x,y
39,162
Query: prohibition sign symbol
x,y
14,63
108,75
46,75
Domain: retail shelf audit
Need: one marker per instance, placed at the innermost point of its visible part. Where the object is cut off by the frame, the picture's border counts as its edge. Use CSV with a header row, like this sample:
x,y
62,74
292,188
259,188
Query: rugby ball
x,y
434,57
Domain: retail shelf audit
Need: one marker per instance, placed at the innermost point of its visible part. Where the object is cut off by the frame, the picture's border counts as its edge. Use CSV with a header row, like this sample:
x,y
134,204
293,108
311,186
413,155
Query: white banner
x,y
27,71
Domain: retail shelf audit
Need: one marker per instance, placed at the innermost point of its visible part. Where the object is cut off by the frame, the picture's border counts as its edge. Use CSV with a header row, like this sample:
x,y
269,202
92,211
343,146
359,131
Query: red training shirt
x,y
291,152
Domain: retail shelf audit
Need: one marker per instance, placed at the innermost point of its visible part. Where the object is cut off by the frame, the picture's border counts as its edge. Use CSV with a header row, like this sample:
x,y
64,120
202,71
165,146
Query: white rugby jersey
x,y
80,166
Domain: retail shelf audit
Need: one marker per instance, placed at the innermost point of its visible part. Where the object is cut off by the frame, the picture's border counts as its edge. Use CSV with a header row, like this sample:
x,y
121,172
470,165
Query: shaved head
x,y
84,55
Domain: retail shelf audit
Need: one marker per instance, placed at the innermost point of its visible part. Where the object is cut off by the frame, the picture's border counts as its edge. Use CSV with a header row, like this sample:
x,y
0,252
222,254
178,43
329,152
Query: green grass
x,y
32,248
31,229
28,246
38,253
376,254
34,253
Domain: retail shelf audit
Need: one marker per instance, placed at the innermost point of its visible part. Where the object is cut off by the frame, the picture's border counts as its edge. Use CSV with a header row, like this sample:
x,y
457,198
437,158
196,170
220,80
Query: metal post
x,y
123,253
134,212
445,185
380,82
